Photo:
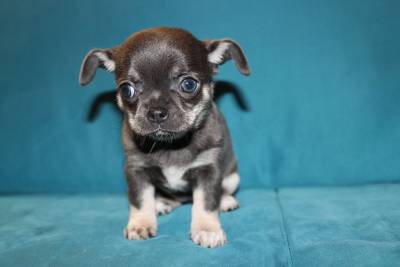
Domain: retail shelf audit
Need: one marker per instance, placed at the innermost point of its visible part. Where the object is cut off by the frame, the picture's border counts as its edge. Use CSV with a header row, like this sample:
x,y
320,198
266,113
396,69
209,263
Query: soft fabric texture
x,y
348,227
321,106
354,226
80,230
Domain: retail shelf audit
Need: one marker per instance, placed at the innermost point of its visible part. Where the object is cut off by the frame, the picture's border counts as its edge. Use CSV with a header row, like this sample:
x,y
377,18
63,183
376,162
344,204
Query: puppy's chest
x,y
175,177
172,170
173,167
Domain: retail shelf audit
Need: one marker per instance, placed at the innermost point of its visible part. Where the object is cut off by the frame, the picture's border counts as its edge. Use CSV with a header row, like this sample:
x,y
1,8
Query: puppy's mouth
x,y
162,134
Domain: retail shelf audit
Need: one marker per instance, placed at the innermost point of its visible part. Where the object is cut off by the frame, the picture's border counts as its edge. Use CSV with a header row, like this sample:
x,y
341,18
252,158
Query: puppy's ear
x,y
220,51
103,58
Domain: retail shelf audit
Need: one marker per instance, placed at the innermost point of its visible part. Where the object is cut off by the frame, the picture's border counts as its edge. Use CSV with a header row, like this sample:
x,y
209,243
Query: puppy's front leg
x,y
142,222
206,229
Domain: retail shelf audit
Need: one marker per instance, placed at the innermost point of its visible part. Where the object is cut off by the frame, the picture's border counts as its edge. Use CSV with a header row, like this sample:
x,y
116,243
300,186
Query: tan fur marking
x,y
165,205
142,222
228,203
174,174
206,229
230,183
126,137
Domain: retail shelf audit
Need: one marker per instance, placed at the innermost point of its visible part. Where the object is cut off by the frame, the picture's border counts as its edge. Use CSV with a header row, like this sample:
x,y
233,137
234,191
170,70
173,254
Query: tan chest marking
x,y
174,174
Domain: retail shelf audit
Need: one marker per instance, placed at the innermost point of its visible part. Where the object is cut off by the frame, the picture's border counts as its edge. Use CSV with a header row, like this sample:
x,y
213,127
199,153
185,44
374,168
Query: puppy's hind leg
x,y
230,184
165,205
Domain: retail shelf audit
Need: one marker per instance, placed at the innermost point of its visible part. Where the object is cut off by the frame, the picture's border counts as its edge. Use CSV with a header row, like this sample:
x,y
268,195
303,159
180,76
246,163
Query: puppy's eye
x,y
127,90
189,85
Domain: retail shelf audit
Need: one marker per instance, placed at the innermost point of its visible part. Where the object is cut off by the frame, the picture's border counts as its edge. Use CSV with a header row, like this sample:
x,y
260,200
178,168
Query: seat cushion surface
x,y
333,226
86,230
351,226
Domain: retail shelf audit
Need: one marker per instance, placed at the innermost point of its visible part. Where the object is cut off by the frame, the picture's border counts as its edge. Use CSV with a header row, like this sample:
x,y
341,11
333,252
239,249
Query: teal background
x,y
323,97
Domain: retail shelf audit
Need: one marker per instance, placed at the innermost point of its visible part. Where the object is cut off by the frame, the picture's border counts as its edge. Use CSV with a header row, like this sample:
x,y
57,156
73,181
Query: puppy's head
x,y
164,78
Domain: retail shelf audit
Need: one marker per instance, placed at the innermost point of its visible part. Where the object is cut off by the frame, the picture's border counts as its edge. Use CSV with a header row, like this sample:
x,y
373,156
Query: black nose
x,y
157,115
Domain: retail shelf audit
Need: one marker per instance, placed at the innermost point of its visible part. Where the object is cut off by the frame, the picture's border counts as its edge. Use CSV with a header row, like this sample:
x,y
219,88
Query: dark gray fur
x,y
212,133
152,61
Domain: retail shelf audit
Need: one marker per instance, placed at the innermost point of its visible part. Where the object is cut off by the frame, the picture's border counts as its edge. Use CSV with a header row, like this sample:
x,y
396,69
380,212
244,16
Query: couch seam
x,y
284,227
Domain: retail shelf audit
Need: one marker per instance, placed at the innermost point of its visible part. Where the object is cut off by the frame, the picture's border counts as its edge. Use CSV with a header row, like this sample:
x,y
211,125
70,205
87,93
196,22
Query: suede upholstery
x,y
337,226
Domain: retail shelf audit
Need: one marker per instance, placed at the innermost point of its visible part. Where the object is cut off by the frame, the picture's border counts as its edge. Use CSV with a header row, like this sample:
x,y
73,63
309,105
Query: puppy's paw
x,y
165,206
228,203
140,231
208,238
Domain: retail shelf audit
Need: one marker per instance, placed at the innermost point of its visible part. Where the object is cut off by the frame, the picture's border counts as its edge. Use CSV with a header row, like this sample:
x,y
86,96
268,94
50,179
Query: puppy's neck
x,y
147,144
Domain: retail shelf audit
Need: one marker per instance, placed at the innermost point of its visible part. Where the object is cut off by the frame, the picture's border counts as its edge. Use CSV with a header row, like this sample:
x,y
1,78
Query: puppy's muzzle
x,y
157,115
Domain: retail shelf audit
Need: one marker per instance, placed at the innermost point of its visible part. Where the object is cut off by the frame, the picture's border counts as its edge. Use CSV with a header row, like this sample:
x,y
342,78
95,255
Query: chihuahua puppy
x,y
176,142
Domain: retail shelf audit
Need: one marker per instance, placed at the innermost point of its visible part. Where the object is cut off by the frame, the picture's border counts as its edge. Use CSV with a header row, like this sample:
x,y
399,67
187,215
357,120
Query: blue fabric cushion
x,y
354,226
86,230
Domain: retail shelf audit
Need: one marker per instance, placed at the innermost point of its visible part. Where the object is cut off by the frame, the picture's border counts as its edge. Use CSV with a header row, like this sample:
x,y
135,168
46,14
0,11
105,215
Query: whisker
x,y
152,147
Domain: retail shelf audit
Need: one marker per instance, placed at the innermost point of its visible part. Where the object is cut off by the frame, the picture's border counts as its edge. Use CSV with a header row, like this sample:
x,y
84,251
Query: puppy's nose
x,y
157,115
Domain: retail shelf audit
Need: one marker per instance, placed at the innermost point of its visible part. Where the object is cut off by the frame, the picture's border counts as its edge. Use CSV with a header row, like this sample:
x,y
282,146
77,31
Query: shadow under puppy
x,y
177,145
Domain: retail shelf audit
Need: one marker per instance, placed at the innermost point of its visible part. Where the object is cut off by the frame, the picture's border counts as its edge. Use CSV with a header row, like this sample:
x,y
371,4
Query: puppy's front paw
x,y
208,238
140,230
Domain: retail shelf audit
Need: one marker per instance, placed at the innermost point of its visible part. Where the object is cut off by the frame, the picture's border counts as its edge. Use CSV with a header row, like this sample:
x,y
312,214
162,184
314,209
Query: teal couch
x,y
316,129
